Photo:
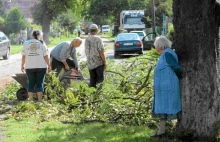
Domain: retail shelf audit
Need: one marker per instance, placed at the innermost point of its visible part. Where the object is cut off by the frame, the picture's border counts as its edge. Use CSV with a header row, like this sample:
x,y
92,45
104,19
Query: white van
x,y
105,28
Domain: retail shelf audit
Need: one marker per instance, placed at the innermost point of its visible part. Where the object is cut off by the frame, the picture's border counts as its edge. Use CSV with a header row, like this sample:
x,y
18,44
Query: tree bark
x,y
196,43
46,27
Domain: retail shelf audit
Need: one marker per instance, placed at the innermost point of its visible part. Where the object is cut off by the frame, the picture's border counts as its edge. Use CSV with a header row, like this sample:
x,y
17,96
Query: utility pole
x,y
153,19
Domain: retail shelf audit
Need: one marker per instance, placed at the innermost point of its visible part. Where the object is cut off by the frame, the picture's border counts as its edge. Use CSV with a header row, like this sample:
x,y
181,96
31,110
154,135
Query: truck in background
x,y
85,27
131,20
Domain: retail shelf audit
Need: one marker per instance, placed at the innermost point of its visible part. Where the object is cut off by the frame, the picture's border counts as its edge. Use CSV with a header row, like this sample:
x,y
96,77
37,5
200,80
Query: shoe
x,y
157,135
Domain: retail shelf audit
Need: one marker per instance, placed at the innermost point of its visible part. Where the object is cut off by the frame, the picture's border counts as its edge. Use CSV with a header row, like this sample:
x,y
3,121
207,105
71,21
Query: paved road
x,y
12,65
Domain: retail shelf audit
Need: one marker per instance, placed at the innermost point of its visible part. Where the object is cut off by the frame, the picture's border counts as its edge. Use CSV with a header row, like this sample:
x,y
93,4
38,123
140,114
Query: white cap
x,y
94,27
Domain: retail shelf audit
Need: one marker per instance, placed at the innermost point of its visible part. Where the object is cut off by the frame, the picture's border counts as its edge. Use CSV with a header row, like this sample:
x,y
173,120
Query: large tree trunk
x,y
196,43
46,27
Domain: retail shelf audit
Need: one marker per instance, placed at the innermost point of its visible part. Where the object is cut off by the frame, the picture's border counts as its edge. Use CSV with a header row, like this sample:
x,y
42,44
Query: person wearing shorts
x,y
35,62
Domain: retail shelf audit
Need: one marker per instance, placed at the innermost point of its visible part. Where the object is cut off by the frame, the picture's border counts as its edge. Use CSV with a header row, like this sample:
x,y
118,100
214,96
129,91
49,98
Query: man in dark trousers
x,y
61,54
94,50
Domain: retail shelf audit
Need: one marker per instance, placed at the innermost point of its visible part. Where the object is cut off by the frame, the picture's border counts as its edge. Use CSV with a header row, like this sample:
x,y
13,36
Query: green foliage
x,y
45,11
2,10
31,130
102,10
170,34
56,40
15,21
161,7
103,20
26,107
124,97
36,26
10,91
53,8
37,12
136,5
2,23
109,36
68,20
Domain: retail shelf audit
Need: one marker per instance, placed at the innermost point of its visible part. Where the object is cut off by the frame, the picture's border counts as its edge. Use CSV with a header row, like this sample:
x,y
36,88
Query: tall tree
x,y
2,9
2,23
113,8
45,11
68,20
15,21
107,8
161,7
196,26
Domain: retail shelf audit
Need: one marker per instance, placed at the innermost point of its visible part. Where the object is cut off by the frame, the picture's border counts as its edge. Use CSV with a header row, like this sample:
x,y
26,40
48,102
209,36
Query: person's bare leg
x,y
39,96
162,126
30,96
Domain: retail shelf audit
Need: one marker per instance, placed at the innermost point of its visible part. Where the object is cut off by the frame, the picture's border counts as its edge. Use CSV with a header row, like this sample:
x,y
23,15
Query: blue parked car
x,y
128,43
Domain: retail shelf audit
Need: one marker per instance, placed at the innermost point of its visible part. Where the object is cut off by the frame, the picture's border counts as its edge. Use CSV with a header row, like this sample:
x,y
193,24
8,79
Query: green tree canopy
x,y
2,10
68,20
106,9
15,21
2,24
112,8
161,7
45,11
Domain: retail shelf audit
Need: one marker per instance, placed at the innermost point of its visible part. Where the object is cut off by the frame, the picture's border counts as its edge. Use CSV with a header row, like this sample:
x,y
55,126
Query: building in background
x,y
23,5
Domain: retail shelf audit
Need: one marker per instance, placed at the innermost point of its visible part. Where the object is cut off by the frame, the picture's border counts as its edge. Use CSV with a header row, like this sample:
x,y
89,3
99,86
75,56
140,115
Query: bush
x,y
2,23
170,34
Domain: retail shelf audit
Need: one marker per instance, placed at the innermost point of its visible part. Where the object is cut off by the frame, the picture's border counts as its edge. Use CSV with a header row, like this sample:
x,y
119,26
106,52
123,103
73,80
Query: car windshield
x,y
105,27
133,20
122,37
139,33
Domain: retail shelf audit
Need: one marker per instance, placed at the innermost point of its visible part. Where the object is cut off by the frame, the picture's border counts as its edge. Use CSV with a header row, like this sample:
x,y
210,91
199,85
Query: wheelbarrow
x,y
66,78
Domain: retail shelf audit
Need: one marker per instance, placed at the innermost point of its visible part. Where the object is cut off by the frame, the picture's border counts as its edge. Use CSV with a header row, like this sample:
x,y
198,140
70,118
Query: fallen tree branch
x,y
115,73
115,98
145,82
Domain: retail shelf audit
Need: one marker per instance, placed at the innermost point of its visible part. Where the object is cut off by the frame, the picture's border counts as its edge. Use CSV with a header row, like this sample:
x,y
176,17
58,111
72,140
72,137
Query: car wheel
x,y
140,53
22,94
147,47
116,55
7,55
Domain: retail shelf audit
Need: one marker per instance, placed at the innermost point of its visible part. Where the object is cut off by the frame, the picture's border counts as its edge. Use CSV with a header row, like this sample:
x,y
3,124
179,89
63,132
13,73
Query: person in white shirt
x,y
35,62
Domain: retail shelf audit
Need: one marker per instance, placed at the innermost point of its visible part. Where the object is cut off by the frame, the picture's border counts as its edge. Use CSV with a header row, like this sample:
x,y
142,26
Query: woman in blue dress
x,y
167,101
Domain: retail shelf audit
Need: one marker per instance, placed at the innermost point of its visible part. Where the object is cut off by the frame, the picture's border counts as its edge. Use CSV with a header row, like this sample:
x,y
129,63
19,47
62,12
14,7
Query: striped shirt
x,y
64,51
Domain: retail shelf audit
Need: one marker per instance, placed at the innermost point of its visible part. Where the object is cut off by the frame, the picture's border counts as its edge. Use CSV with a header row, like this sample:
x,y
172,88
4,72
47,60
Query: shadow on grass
x,y
96,132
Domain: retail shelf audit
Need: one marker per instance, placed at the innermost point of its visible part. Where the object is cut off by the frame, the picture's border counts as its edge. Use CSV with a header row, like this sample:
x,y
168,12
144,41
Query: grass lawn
x,y
31,130
108,36
53,41
16,49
